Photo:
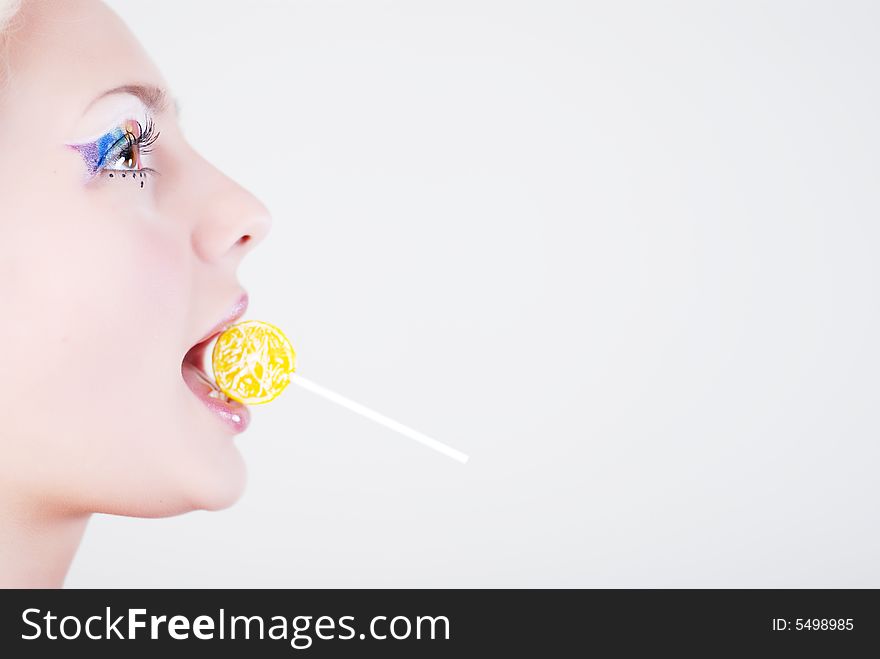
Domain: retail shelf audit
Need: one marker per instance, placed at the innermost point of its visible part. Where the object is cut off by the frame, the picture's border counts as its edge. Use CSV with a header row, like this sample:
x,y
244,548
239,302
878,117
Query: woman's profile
x,y
118,260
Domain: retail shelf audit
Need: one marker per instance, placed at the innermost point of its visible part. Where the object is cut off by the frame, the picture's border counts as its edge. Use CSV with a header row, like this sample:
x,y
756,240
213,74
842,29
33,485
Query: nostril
x,y
244,239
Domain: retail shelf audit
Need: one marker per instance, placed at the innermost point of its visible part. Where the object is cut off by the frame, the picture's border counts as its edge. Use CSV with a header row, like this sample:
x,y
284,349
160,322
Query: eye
x,y
132,141
121,149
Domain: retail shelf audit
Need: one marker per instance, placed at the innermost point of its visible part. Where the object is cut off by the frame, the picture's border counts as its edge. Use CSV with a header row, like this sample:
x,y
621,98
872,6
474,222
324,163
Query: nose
x,y
229,220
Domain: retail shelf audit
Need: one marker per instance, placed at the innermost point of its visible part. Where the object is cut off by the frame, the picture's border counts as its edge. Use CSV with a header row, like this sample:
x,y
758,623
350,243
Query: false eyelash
x,y
147,136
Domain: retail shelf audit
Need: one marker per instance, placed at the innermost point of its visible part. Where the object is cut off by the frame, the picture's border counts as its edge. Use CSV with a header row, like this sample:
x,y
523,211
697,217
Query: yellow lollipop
x,y
252,362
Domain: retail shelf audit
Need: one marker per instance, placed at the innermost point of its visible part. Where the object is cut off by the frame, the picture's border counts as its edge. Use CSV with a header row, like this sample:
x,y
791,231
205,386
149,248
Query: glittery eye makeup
x,y
120,149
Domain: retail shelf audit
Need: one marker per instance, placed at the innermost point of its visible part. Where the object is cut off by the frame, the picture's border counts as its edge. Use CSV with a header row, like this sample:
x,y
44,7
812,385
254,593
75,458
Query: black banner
x,y
434,623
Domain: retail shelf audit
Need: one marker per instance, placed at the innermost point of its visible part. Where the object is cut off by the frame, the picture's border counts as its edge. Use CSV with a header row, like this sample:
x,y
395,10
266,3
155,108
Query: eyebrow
x,y
154,98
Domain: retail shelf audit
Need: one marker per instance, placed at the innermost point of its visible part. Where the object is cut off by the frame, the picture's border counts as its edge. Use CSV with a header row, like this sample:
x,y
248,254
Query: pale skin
x,y
104,286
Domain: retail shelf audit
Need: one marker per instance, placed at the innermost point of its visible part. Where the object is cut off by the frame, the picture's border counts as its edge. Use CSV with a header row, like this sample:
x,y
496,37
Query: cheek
x,y
118,304
94,325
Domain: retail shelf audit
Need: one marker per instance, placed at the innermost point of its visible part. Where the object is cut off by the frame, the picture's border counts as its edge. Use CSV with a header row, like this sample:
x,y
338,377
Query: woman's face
x,y
107,280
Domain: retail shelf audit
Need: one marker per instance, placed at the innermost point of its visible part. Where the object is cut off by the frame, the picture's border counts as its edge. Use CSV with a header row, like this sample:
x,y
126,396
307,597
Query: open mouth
x,y
234,415
194,361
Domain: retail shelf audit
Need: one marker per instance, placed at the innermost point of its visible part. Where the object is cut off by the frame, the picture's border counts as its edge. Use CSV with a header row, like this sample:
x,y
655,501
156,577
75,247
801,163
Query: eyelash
x,y
147,136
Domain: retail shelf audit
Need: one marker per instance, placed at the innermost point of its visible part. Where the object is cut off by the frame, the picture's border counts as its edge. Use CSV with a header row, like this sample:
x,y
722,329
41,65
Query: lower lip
x,y
236,416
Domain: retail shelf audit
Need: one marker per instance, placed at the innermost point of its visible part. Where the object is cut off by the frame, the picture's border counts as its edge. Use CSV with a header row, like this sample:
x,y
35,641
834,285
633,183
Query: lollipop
x,y
254,362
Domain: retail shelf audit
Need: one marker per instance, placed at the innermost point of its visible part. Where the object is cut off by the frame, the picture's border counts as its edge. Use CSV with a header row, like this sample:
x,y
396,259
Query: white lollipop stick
x,y
381,419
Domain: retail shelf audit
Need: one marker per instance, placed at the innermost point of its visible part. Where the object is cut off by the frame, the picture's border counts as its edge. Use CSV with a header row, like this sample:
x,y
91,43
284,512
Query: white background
x,y
623,254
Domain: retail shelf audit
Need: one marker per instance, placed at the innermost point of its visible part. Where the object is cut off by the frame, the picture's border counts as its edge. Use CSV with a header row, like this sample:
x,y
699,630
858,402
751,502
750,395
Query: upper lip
x,y
234,312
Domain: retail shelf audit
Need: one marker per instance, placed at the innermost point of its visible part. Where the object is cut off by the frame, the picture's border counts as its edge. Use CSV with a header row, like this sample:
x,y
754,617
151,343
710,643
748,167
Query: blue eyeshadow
x,y
95,153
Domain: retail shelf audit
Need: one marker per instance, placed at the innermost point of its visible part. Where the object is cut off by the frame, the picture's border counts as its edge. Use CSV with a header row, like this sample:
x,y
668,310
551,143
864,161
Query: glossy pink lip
x,y
235,415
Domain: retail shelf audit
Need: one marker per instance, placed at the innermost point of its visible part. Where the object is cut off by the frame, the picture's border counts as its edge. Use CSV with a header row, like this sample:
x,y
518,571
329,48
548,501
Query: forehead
x,y
64,53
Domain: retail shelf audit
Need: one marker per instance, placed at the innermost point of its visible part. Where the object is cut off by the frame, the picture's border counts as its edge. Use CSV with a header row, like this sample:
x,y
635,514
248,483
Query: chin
x,y
218,487
204,486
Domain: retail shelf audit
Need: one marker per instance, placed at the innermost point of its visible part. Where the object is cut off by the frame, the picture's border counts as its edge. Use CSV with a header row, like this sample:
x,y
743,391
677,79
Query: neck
x,y
37,546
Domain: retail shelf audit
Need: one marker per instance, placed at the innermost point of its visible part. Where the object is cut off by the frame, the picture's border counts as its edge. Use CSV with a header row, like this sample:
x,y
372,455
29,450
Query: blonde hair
x,y
8,9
